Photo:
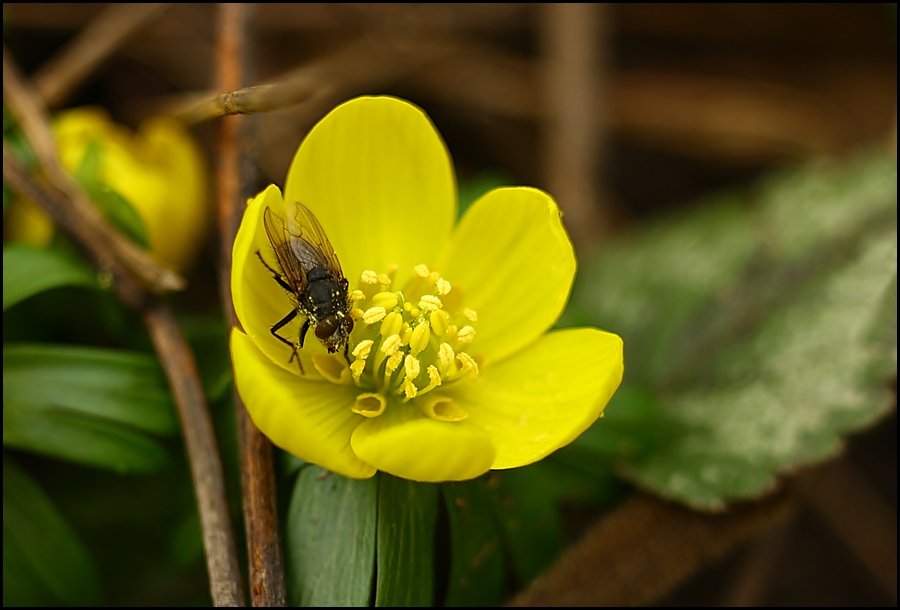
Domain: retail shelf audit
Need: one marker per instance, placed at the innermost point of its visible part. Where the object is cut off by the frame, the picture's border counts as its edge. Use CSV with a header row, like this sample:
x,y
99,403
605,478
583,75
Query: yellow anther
x,y
409,388
418,341
445,355
406,334
434,276
383,279
429,302
369,404
421,270
412,367
388,300
393,363
465,334
390,345
357,295
357,368
451,332
392,268
356,313
443,286
469,365
392,324
362,349
368,277
434,377
373,314
471,315
407,306
439,322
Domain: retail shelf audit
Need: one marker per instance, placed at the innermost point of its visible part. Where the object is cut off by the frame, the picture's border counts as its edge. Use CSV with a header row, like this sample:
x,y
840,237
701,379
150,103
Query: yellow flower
x,y
160,171
452,369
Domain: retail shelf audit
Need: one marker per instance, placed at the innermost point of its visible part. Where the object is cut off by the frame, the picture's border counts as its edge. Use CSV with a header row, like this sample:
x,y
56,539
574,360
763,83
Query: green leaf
x,y
768,332
87,405
330,540
407,514
115,207
44,563
476,562
525,504
28,270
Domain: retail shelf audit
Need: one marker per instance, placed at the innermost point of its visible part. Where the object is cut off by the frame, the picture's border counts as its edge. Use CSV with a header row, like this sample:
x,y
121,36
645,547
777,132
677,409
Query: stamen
x,y
469,365
357,369
357,295
392,269
471,315
368,277
411,365
390,345
446,356
443,286
434,276
388,300
356,313
373,315
409,388
434,378
421,270
383,279
419,339
392,324
369,404
362,349
439,321
465,334
405,334
429,302
393,363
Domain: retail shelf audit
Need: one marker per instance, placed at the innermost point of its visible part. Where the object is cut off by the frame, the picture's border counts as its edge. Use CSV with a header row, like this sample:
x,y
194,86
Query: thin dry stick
x,y
570,36
373,58
235,180
97,41
82,218
645,548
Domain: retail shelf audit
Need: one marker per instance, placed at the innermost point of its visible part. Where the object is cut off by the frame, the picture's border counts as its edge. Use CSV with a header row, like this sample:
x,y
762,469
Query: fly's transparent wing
x,y
309,243
282,242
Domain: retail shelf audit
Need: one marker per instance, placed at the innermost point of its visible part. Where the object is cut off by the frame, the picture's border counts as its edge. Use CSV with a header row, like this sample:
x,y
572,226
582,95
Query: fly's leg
x,y
277,277
281,324
347,347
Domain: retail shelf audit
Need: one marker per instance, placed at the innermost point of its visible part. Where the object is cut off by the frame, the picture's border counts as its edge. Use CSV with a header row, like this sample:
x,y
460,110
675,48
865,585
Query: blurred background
x,y
629,114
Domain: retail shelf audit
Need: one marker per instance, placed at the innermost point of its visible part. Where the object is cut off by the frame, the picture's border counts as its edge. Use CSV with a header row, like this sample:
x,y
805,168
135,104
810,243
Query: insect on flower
x,y
311,274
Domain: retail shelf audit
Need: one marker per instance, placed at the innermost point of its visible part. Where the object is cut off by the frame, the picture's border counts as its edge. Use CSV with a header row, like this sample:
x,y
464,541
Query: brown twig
x,y
643,549
56,79
572,35
235,179
30,113
74,215
371,59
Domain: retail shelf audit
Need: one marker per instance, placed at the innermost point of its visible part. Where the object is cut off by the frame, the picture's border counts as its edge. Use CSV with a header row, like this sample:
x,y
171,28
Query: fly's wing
x,y
309,243
280,238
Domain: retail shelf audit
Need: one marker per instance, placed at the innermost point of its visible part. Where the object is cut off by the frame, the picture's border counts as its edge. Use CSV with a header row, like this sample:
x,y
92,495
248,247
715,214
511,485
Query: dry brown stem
x,y
235,179
96,42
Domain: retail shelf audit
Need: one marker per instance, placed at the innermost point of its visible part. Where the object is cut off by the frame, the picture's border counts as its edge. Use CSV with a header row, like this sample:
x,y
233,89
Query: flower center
x,y
409,342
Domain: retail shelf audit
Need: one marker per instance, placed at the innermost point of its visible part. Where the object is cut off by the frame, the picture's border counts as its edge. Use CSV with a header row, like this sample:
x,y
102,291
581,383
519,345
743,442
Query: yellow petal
x,y
512,258
259,301
541,399
378,177
311,420
405,443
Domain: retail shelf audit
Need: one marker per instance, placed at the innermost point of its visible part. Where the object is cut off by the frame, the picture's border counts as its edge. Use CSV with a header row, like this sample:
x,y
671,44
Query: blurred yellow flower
x,y
452,369
160,170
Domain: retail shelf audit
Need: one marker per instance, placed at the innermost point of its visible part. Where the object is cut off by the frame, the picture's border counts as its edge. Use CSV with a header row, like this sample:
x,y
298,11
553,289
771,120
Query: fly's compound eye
x,y
327,327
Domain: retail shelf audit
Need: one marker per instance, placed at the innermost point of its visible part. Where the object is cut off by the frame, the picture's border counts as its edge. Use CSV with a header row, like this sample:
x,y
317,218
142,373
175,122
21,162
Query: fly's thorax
x,y
408,346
